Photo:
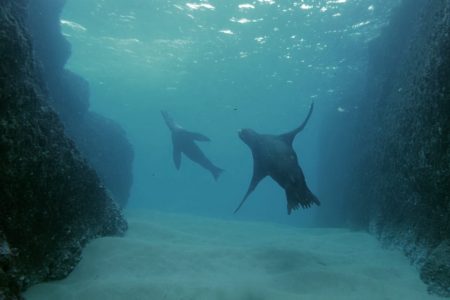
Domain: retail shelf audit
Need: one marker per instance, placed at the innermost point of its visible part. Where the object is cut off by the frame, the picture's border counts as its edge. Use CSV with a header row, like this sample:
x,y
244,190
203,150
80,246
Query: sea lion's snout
x,y
241,134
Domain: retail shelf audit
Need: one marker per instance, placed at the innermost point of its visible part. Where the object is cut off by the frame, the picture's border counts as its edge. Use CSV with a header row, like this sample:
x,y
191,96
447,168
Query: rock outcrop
x,y
100,140
435,272
51,201
398,160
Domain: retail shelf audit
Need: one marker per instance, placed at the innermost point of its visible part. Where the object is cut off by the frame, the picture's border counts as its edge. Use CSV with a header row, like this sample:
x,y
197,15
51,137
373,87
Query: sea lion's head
x,y
248,136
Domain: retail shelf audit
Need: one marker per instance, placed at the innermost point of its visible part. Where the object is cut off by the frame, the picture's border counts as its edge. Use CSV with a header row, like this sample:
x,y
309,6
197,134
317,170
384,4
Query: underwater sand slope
x,y
184,257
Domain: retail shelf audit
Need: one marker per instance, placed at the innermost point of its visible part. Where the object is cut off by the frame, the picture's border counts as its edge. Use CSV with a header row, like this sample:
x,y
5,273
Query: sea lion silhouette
x,y
184,142
274,156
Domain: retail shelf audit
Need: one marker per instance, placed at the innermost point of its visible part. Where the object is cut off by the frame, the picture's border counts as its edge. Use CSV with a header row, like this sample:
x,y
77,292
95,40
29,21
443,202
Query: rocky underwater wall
x,y
51,201
392,158
100,140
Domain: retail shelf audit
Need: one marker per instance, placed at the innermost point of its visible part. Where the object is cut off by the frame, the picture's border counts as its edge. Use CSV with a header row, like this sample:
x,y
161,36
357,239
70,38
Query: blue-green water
x,y
216,67
219,66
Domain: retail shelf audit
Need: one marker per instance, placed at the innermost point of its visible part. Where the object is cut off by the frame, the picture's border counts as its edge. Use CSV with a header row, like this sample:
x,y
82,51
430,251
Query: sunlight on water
x,y
360,24
226,31
73,25
267,1
277,25
244,20
199,6
246,6
261,39
305,6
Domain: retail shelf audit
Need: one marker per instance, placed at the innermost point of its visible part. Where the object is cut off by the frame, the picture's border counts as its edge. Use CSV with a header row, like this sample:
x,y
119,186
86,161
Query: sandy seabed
x,y
166,256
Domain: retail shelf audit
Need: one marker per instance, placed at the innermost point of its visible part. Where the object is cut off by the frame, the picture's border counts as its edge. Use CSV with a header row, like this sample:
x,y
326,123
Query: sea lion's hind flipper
x,y
292,200
196,136
312,198
258,175
289,136
295,200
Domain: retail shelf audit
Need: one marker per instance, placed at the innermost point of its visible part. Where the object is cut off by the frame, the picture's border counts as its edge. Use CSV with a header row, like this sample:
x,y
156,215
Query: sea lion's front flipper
x,y
258,175
196,136
289,136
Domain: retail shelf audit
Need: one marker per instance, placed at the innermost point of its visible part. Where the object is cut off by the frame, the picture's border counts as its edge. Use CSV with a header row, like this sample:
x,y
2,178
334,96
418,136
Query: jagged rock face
x,y
100,140
105,145
435,272
52,202
399,186
409,154
9,286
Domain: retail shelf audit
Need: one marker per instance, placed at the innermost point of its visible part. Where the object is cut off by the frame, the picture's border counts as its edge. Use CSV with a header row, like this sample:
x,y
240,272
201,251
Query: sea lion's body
x,y
274,156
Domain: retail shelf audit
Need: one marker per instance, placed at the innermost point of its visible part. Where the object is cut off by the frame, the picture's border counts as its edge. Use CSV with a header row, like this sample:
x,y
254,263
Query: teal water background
x,y
218,66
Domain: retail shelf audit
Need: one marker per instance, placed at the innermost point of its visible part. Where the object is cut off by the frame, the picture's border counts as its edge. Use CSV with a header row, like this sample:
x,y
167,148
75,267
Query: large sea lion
x,y
274,156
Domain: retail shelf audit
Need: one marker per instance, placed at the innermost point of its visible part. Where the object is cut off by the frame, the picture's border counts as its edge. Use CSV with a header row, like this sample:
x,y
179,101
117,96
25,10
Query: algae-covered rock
x,y
9,286
436,270
397,160
51,201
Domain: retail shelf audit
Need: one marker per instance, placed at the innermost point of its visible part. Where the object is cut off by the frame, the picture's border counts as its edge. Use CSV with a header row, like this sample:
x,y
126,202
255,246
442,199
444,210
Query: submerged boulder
x,y
51,201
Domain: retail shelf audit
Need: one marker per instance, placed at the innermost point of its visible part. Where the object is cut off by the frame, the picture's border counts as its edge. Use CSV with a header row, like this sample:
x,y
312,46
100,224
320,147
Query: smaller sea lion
x,y
184,142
